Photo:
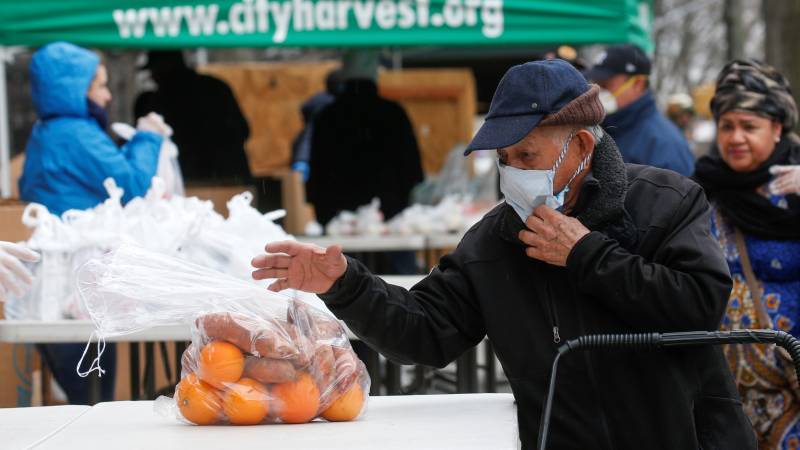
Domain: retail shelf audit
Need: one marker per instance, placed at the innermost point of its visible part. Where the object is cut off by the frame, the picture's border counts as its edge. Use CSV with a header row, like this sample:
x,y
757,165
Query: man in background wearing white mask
x,y
643,134
583,244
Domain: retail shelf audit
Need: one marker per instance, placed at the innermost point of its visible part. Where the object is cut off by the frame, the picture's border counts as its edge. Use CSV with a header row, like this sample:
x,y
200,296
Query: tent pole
x,y
5,120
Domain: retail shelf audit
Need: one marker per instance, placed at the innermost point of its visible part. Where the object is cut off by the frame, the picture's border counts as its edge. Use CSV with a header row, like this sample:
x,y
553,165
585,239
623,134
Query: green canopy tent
x,y
314,23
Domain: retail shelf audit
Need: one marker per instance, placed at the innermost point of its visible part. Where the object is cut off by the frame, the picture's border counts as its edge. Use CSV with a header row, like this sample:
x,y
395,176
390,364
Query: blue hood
x,y
60,77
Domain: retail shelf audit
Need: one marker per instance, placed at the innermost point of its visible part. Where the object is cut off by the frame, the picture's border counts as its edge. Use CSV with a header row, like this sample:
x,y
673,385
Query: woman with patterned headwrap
x,y
756,220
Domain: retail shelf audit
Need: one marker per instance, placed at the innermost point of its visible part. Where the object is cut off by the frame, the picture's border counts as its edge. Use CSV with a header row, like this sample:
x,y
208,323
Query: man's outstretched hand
x,y
305,267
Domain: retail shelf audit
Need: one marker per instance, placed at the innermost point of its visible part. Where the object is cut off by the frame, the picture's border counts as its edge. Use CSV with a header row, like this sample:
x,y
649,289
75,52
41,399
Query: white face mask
x,y
525,189
608,100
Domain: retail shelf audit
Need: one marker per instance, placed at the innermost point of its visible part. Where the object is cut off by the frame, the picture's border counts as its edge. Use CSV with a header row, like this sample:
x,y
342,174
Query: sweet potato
x,y
226,327
269,371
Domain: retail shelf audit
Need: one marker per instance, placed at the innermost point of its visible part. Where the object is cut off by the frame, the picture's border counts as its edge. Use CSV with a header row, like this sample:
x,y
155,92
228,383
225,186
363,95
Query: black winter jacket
x,y
649,265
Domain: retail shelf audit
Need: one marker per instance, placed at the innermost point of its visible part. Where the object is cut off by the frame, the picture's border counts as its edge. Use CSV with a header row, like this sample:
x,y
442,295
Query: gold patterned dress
x,y
763,373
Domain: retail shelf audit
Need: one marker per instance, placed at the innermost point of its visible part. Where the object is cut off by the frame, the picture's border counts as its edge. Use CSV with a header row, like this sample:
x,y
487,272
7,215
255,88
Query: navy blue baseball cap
x,y
625,59
532,92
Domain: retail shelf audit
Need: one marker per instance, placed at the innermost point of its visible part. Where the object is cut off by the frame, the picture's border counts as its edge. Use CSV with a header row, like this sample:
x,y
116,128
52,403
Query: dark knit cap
x,y
550,92
585,110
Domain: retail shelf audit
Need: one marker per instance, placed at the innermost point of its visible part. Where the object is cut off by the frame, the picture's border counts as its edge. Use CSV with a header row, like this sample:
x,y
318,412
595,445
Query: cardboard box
x,y
20,374
219,195
293,199
270,96
441,104
11,227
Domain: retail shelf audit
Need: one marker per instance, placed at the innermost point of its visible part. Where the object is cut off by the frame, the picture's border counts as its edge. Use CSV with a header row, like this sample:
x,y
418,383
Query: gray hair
x,y
597,131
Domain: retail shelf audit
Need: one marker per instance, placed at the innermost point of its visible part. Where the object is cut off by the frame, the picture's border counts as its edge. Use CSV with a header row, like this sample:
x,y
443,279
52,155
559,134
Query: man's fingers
x,y
333,252
279,285
536,253
263,274
266,261
546,213
534,223
290,248
20,251
540,227
532,239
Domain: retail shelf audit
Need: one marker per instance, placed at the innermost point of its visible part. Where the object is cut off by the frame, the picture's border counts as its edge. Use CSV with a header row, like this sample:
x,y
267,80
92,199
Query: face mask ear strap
x,y
581,167
627,84
563,154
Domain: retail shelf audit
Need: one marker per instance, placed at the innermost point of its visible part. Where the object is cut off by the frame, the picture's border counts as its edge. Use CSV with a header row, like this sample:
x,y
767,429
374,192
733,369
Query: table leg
x,y
180,347
162,346
491,368
466,367
133,349
422,381
45,371
149,371
393,383
93,379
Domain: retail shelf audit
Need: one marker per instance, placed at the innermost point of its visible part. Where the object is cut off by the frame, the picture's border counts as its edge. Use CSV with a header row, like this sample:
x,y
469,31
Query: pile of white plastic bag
x,y
450,202
187,228
367,220
454,214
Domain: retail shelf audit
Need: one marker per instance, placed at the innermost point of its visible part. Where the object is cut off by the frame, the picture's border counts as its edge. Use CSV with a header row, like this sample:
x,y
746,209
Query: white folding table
x,y
457,422
25,427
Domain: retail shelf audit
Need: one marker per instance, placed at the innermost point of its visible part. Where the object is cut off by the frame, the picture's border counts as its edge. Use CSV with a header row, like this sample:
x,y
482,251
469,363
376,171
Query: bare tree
x,y
782,35
695,38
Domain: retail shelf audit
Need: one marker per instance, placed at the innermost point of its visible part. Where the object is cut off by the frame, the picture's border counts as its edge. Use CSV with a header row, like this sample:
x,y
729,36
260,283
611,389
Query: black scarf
x,y
98,113
735,194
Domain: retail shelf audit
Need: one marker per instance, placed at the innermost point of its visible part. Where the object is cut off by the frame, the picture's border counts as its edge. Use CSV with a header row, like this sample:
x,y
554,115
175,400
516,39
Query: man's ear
x,y
585,140
641,84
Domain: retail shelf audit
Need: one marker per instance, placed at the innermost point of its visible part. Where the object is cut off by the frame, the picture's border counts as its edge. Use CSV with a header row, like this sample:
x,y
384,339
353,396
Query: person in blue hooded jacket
x,y
643,134
69,153
68,156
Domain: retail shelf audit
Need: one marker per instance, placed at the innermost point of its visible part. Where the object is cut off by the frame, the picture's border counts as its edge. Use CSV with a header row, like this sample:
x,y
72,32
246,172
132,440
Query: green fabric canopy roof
x,y
324,23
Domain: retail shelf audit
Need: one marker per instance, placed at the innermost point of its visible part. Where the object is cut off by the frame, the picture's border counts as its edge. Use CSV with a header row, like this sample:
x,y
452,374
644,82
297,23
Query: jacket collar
x,y
601,199
628,116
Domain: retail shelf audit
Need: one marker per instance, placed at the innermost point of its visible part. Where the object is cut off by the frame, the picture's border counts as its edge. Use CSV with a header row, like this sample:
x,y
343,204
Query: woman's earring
x,y
777,138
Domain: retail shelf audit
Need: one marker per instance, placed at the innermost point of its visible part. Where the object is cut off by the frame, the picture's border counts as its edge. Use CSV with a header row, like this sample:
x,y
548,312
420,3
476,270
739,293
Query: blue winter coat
x,y
645,136
68,155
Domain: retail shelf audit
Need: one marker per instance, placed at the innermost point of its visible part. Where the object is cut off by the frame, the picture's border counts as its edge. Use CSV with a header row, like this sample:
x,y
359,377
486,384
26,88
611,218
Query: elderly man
x,y
582,244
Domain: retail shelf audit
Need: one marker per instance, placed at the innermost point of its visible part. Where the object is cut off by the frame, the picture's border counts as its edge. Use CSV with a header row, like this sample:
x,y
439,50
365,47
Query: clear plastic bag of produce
x,y
256,356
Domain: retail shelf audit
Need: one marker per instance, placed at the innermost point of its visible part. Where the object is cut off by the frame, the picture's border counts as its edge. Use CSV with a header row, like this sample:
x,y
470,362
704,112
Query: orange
x,y
347,406
246,402
298,401
198,402
220,363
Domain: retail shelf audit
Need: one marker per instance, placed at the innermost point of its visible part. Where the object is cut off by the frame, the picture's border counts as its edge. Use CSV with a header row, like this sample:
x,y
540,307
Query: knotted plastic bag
x,y
256,356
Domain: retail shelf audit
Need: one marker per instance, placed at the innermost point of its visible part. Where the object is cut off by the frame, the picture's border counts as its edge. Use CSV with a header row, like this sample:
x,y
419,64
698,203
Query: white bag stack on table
x,y
367,220
187,228
454,214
